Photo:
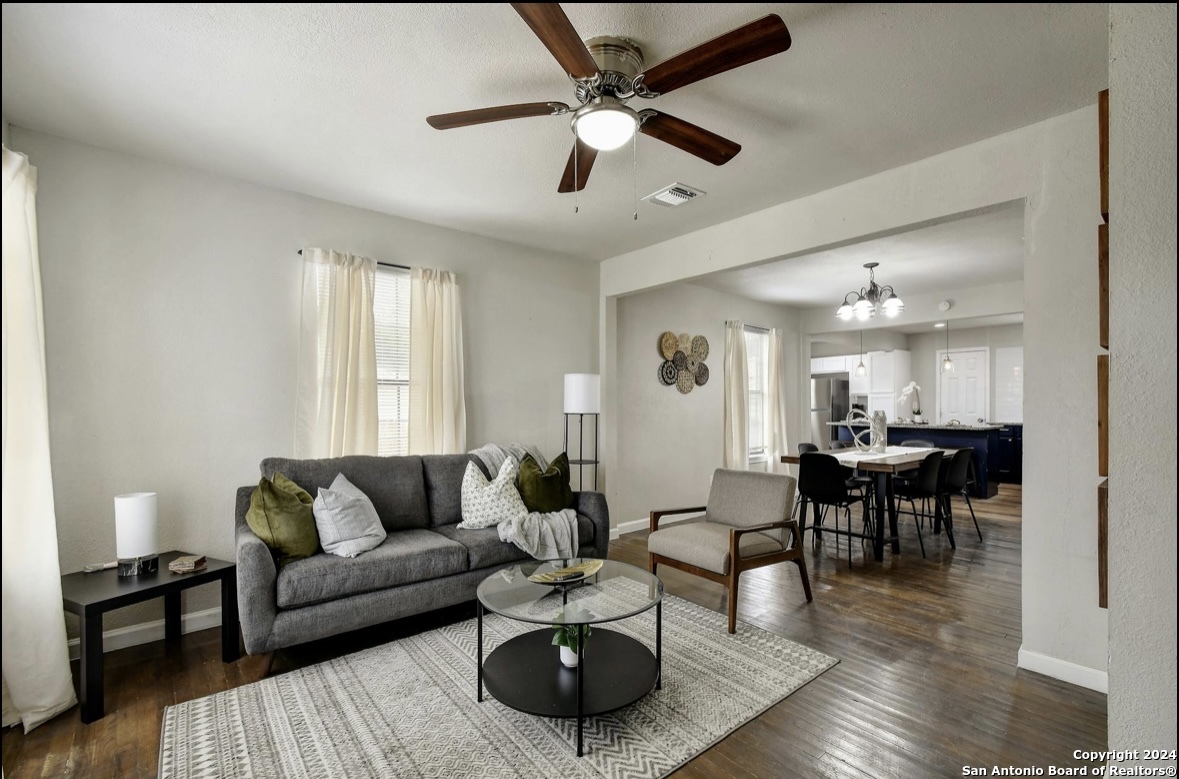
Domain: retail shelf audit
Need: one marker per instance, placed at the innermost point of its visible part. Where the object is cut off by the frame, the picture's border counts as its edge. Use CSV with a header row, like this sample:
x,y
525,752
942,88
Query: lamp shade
x,y
583,393
135,525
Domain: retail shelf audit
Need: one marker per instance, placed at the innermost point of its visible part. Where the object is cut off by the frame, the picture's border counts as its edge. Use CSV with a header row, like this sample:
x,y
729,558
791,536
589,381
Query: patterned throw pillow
x,y
486,504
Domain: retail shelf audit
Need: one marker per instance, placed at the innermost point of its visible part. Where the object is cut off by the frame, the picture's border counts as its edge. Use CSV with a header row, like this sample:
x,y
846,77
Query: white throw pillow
x,y
486,504
346,519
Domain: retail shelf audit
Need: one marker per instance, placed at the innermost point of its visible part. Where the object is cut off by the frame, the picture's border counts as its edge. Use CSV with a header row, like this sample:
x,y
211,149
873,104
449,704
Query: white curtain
x,y
337,381
36,683
775,416
736,454
437,405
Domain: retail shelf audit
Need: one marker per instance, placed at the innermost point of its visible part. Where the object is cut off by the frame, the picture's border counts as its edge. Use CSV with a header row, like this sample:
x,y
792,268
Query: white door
x,y
963,392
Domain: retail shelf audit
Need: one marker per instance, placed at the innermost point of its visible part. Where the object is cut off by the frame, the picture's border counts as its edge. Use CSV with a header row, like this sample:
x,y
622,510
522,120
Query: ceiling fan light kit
x,y
870,300
608,71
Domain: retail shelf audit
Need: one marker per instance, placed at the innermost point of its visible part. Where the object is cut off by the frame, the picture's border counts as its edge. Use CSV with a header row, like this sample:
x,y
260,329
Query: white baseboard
x,y
1080,675
642,524
146,632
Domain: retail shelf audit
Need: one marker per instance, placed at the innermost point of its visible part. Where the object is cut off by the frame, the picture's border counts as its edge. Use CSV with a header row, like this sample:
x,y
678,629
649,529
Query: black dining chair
x,y
841,444
803,448
955,482
822,482
914,443
924,487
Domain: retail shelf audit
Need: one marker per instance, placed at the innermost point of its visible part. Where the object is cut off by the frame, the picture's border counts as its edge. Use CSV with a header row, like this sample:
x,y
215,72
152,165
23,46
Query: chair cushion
x,y
706,544
483,546
393,484
444,478
746,498
407,556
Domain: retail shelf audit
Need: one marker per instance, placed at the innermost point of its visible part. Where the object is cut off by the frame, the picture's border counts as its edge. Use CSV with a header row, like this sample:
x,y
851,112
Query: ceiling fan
x,y
607,72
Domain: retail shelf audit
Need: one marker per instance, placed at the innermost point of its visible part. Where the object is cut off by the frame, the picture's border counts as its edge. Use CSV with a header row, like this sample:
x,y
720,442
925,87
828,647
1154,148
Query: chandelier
x,y
870,300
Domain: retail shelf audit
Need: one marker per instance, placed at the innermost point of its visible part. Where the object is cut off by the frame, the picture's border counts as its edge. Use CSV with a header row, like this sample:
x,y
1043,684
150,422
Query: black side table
x,y
90,595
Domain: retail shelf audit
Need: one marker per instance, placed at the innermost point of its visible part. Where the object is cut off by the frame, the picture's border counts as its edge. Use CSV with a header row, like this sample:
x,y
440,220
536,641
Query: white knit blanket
x,y
551,536
493,455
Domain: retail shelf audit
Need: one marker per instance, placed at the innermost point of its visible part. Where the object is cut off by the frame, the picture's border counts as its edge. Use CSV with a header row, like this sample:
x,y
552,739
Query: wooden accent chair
x,y
746,525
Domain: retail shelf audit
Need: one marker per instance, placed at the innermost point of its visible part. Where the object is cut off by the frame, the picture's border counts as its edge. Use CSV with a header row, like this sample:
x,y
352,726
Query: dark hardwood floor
x,y
927,681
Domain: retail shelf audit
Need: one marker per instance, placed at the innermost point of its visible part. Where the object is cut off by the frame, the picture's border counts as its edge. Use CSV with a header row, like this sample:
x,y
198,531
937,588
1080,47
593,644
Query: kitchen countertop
x,y
926,426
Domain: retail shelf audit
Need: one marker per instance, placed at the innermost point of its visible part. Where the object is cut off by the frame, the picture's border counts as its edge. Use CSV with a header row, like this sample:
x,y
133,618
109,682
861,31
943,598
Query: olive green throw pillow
x,y
280,514
546,490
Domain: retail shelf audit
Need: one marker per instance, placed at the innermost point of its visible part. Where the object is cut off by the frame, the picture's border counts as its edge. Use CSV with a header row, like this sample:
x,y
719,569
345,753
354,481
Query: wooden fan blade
x,y
695,140
585,155
496,114
549,23
757,40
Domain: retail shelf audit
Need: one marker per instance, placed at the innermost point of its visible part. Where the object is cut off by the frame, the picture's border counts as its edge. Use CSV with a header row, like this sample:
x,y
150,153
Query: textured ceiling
x,y
330,100
972,251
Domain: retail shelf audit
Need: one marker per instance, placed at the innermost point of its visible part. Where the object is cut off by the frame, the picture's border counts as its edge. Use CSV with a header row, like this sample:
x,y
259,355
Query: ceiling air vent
x,y
673,195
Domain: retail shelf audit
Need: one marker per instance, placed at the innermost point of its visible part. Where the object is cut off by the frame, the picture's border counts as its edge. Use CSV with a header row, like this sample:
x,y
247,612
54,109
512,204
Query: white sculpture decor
x,y
912,393
877,430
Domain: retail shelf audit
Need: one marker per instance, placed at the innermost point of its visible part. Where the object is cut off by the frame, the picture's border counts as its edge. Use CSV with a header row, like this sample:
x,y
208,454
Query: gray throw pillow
x,y
347,522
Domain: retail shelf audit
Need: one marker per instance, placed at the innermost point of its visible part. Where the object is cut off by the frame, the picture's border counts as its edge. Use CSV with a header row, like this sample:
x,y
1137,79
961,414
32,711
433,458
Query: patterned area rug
x,y
408,709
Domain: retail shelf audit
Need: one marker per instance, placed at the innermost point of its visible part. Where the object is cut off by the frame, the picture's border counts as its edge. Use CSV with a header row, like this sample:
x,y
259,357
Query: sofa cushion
x,y
485,549
407,556
444,478
347,521
545,489
488,503
706,545
281,515
483,546
394,484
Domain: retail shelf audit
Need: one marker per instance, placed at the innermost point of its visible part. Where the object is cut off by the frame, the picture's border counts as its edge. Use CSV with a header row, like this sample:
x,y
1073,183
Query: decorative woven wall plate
x,y
668,343
683,360
700,348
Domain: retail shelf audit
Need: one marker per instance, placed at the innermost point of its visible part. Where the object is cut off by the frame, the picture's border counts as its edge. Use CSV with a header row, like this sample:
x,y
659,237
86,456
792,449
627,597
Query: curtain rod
x,y
386,264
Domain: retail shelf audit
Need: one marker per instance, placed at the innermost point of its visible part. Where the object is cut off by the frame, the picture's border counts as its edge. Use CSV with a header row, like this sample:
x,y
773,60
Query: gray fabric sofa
x,y
426,563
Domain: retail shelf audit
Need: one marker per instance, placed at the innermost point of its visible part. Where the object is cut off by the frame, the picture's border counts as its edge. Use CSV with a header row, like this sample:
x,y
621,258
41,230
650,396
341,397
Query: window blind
x,y
757,353
391,323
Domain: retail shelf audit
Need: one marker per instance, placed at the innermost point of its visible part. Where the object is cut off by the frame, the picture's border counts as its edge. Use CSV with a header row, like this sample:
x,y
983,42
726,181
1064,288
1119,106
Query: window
x,y
391,322
757,355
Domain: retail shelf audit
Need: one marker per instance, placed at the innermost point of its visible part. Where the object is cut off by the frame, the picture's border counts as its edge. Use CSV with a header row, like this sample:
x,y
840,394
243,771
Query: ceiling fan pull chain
x,y
634,159
576,180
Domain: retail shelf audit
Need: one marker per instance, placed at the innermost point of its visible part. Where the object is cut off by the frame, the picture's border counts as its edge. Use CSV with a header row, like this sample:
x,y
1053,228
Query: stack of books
x,y
188,564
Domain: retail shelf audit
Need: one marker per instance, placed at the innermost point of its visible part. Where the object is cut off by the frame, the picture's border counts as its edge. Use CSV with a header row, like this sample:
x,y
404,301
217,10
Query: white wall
x,y
837,344
1052,167
926,368
171,303
1142,483
669,444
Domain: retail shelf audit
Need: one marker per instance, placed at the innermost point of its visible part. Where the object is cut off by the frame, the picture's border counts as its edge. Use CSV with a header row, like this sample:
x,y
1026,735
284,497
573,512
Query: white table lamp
x,y
583,393
135,534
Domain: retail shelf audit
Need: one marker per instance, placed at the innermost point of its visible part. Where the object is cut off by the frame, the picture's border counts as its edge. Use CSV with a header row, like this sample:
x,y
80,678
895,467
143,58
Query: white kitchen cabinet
x,y
882,401
888,373
829,364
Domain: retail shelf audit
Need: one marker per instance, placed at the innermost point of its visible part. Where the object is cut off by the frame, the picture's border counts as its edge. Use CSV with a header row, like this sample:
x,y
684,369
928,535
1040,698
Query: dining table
x,y
883,466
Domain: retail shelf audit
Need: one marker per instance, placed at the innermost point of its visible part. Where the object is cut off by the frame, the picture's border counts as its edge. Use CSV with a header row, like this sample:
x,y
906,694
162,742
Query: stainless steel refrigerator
x,y
830,402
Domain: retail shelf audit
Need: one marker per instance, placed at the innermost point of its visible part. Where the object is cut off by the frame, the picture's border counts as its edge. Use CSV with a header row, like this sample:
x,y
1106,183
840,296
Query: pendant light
x,y
947,363
861,369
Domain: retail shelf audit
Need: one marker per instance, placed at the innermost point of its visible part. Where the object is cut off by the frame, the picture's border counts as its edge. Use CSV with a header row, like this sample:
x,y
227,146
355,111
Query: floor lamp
x,y
583,399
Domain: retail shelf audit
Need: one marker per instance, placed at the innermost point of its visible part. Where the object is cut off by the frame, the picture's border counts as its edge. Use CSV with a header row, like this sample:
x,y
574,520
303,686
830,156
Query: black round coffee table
x,y
613,670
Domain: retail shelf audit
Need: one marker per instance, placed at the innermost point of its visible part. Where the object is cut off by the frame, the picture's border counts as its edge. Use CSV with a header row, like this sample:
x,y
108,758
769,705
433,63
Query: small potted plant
x,y
912,394
568,637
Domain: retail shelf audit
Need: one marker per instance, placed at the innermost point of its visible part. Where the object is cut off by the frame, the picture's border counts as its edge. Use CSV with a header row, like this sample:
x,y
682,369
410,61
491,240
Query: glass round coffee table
x,y
613,670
